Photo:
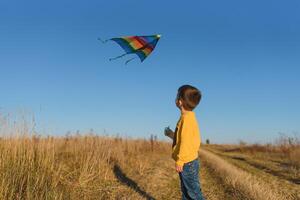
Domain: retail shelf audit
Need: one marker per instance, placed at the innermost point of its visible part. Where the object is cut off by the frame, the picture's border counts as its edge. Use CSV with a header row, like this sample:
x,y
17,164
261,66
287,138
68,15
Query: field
x,y
94,167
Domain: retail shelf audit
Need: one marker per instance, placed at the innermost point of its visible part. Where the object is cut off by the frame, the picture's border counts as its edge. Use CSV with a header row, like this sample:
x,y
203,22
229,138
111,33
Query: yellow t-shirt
x,y
186,142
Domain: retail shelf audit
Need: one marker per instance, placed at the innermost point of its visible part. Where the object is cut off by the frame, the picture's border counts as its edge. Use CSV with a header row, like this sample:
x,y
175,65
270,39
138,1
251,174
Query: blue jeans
x,y
189,180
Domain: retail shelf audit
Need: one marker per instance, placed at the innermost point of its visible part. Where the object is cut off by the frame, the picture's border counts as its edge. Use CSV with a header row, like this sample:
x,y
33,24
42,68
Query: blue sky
x,y
242,55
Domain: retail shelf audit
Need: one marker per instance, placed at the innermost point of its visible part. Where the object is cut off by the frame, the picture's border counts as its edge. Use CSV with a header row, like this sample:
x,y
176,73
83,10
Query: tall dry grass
x,y
73,167
69,167
285,147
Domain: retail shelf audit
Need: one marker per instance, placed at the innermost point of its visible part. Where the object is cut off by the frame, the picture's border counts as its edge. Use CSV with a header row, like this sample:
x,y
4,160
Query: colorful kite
x,y
139,45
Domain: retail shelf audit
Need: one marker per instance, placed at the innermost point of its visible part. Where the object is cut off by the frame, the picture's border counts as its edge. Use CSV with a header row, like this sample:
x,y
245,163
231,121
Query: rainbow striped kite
x,y
139,45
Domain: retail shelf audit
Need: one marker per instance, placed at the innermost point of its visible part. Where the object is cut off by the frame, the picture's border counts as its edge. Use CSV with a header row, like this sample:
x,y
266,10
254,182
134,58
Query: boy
x,y
186,143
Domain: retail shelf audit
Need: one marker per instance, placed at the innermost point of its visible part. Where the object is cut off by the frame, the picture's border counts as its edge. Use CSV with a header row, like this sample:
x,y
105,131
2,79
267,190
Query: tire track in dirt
x,y
276,183
214,188
161,181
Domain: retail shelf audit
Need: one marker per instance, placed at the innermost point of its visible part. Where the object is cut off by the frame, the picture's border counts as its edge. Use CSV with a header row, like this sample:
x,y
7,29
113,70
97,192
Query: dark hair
x,y
190,96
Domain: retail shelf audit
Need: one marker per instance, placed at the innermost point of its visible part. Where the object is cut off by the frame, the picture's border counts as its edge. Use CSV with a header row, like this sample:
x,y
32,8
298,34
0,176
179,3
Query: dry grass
x,y
294,157
68,168
81,167
286,148
251,186
94,167
103,167
268,166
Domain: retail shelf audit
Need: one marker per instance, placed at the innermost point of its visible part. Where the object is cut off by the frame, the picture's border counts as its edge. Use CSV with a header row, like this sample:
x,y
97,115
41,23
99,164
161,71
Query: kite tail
x,y
129,60
103,41
118,57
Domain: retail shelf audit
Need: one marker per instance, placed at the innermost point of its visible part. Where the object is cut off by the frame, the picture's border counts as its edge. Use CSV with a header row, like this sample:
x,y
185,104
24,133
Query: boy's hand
x,y
169,133
178,168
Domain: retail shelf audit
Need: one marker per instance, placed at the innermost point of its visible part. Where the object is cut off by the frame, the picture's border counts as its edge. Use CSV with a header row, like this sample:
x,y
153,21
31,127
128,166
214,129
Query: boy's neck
x,y
183,111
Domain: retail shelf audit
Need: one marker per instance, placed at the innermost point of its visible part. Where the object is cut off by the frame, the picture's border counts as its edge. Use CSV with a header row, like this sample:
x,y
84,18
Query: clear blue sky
x,y
243,55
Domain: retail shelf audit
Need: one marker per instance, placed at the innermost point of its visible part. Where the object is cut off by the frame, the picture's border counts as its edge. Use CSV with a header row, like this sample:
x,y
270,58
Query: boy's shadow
x,y
130,183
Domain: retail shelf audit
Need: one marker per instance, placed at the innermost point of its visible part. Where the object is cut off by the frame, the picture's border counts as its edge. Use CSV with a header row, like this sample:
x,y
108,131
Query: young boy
x,y
186,143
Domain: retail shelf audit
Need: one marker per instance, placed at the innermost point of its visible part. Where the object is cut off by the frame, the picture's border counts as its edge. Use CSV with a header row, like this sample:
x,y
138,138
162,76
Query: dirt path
x,y
212,185
162,182
249,165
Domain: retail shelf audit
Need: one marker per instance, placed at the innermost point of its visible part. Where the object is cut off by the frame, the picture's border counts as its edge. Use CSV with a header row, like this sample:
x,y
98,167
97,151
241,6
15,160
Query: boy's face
x,y
178,101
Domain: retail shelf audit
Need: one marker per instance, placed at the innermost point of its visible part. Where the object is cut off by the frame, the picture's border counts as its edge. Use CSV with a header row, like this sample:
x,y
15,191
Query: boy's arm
x,y
184,142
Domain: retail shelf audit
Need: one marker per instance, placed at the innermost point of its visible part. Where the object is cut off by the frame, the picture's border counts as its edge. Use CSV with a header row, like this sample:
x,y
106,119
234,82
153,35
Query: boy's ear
x,y
180,102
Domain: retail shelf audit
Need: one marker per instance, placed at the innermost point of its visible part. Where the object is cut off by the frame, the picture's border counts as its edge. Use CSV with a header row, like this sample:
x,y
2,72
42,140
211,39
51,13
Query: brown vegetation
x,y
71,167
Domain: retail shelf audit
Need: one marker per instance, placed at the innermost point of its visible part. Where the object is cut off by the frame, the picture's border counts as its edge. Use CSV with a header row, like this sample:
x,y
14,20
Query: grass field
x,y
93,167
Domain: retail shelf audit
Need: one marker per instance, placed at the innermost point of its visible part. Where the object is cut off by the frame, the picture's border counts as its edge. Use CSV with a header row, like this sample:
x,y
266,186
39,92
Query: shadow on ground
x,y
121,176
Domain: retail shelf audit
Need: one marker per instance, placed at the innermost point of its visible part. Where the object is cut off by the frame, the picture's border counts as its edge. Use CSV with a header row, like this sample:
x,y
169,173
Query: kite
x,y
139,45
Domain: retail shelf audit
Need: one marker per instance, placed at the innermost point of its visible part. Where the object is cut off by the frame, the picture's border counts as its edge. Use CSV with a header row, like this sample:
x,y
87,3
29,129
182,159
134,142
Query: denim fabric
x,y
189,180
